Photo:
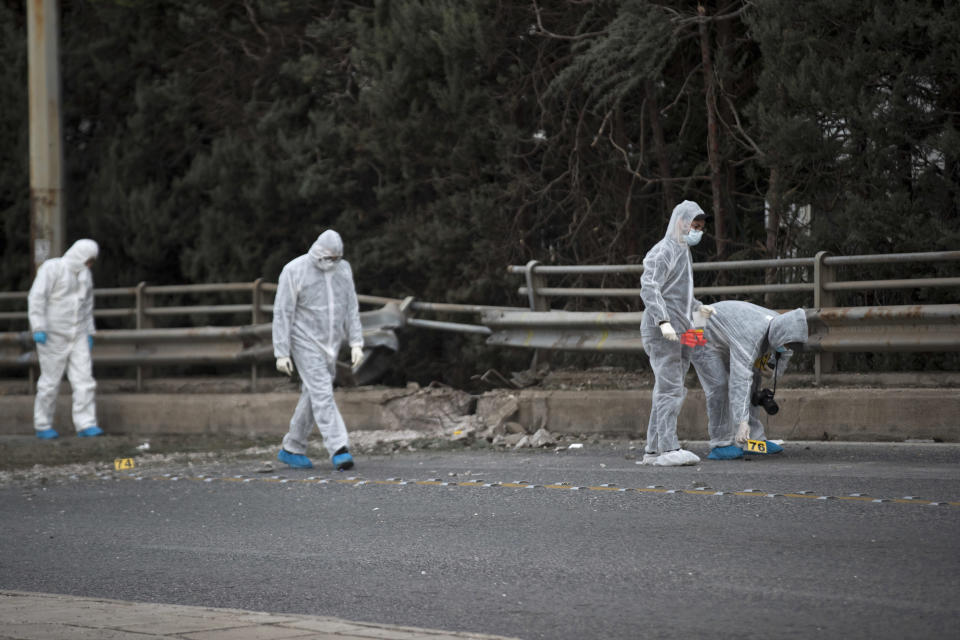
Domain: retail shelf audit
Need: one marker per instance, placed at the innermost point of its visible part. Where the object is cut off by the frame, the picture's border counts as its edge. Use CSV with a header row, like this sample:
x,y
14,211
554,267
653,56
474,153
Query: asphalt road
x,y
573,545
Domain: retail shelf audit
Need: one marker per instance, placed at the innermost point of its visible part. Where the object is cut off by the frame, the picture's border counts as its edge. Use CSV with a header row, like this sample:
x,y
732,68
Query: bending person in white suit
x,y
745,343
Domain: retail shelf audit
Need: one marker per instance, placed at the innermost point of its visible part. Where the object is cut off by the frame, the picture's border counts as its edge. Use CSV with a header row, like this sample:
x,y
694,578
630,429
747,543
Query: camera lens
x,y
764,398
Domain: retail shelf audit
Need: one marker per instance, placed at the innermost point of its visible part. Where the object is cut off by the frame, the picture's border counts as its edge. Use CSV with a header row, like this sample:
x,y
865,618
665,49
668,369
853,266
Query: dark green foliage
x,y
213,140
858,107
14,152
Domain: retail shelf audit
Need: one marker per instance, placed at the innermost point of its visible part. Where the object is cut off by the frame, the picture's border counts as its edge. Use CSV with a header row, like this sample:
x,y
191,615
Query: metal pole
x,y
142,322
47,218
823,274
537,303
256,318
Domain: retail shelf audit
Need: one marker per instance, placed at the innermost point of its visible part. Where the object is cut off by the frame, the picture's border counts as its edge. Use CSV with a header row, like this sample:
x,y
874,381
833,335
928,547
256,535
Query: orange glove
x,y
693,338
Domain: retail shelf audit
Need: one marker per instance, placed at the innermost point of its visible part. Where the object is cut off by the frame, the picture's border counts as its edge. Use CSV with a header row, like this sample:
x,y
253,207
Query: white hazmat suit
x,y
742,339
314,311
60,305
667,293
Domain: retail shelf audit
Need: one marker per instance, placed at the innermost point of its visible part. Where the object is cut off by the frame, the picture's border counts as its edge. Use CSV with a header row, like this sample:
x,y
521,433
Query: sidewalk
x,y
47,616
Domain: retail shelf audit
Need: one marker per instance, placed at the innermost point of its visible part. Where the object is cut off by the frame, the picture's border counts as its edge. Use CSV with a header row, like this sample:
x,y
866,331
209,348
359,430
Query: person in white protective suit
x,y
60,309
669,305
745,344
314,310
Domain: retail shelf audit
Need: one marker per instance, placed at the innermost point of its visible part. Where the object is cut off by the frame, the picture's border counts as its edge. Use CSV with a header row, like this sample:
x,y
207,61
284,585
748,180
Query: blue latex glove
x,y
90,341
40,337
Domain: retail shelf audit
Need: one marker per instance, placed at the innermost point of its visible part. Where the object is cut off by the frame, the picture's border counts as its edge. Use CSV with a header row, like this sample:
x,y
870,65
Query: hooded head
x,y
327,250
682,219
82,251
788,328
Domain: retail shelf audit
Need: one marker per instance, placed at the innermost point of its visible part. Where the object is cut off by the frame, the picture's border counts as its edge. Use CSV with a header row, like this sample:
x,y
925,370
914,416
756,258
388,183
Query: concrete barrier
x,y
806,413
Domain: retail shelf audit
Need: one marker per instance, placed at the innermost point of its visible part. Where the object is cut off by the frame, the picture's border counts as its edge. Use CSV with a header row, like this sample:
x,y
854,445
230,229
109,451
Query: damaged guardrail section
x,y
566,330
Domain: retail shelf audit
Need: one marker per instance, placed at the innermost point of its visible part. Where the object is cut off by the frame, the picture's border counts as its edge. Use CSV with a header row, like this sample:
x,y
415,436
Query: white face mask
x,y
693,236
328,263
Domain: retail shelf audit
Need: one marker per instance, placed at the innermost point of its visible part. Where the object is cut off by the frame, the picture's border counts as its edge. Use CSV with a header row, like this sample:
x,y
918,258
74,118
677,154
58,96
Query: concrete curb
x,y
28,616
853,414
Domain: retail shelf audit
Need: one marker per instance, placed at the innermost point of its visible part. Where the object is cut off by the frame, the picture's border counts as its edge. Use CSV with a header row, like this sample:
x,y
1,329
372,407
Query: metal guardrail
x,y
242,345
820,280
833,329
844,329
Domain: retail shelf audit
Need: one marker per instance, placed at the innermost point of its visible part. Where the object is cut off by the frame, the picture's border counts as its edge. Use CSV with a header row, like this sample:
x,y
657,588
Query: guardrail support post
x,y
143,301
256,317
537,303
823,274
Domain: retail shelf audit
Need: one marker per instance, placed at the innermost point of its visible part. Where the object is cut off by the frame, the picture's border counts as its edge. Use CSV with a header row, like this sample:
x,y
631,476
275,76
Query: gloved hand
x,y
40,337
90,341
706,310
743,434
669,332
356,355
768,369
285,366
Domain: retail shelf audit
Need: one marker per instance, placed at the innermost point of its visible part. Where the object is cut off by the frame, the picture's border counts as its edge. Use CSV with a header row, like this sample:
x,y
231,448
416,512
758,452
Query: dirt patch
x,y
596,378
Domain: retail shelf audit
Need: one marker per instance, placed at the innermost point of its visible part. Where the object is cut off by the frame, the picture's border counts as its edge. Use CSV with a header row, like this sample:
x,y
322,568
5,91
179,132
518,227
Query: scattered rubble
x,y
418,418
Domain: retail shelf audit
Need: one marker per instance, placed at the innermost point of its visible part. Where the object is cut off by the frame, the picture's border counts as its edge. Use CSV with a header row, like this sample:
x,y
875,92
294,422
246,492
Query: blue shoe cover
x,y
342,460
47,434
772,447
295,460
729,452
90,432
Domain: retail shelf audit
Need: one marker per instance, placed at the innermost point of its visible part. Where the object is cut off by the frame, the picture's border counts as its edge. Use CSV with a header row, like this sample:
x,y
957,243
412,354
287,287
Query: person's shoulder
x,y
665,248
654,250
49,266
296,263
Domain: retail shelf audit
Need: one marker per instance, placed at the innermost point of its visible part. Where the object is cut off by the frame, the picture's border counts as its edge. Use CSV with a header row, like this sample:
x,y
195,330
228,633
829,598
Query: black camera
x,y
764,398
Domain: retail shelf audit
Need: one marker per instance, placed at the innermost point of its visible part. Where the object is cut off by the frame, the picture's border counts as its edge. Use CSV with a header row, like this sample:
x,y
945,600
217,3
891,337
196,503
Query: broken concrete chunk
x,y
513,427
512,439
430,409
542,438
497,408
524,441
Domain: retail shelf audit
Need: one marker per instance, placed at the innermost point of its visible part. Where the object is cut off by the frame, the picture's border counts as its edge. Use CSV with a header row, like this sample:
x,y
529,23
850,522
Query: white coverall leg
x,y
713,370
57,355
316,405
670,362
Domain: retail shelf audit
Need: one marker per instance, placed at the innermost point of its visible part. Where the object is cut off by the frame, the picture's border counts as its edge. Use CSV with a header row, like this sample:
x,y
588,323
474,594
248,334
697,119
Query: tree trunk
x,y
713,142
660,146
774,215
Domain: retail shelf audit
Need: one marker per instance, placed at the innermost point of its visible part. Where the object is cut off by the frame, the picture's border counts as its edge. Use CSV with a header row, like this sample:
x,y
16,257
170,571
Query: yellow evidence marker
x,y
757,446
123,463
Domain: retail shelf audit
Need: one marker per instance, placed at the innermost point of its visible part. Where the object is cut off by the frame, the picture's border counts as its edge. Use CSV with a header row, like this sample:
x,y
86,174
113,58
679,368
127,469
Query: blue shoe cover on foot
x,y
47,434
90,432
772,447
729,452
342,461
295,460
